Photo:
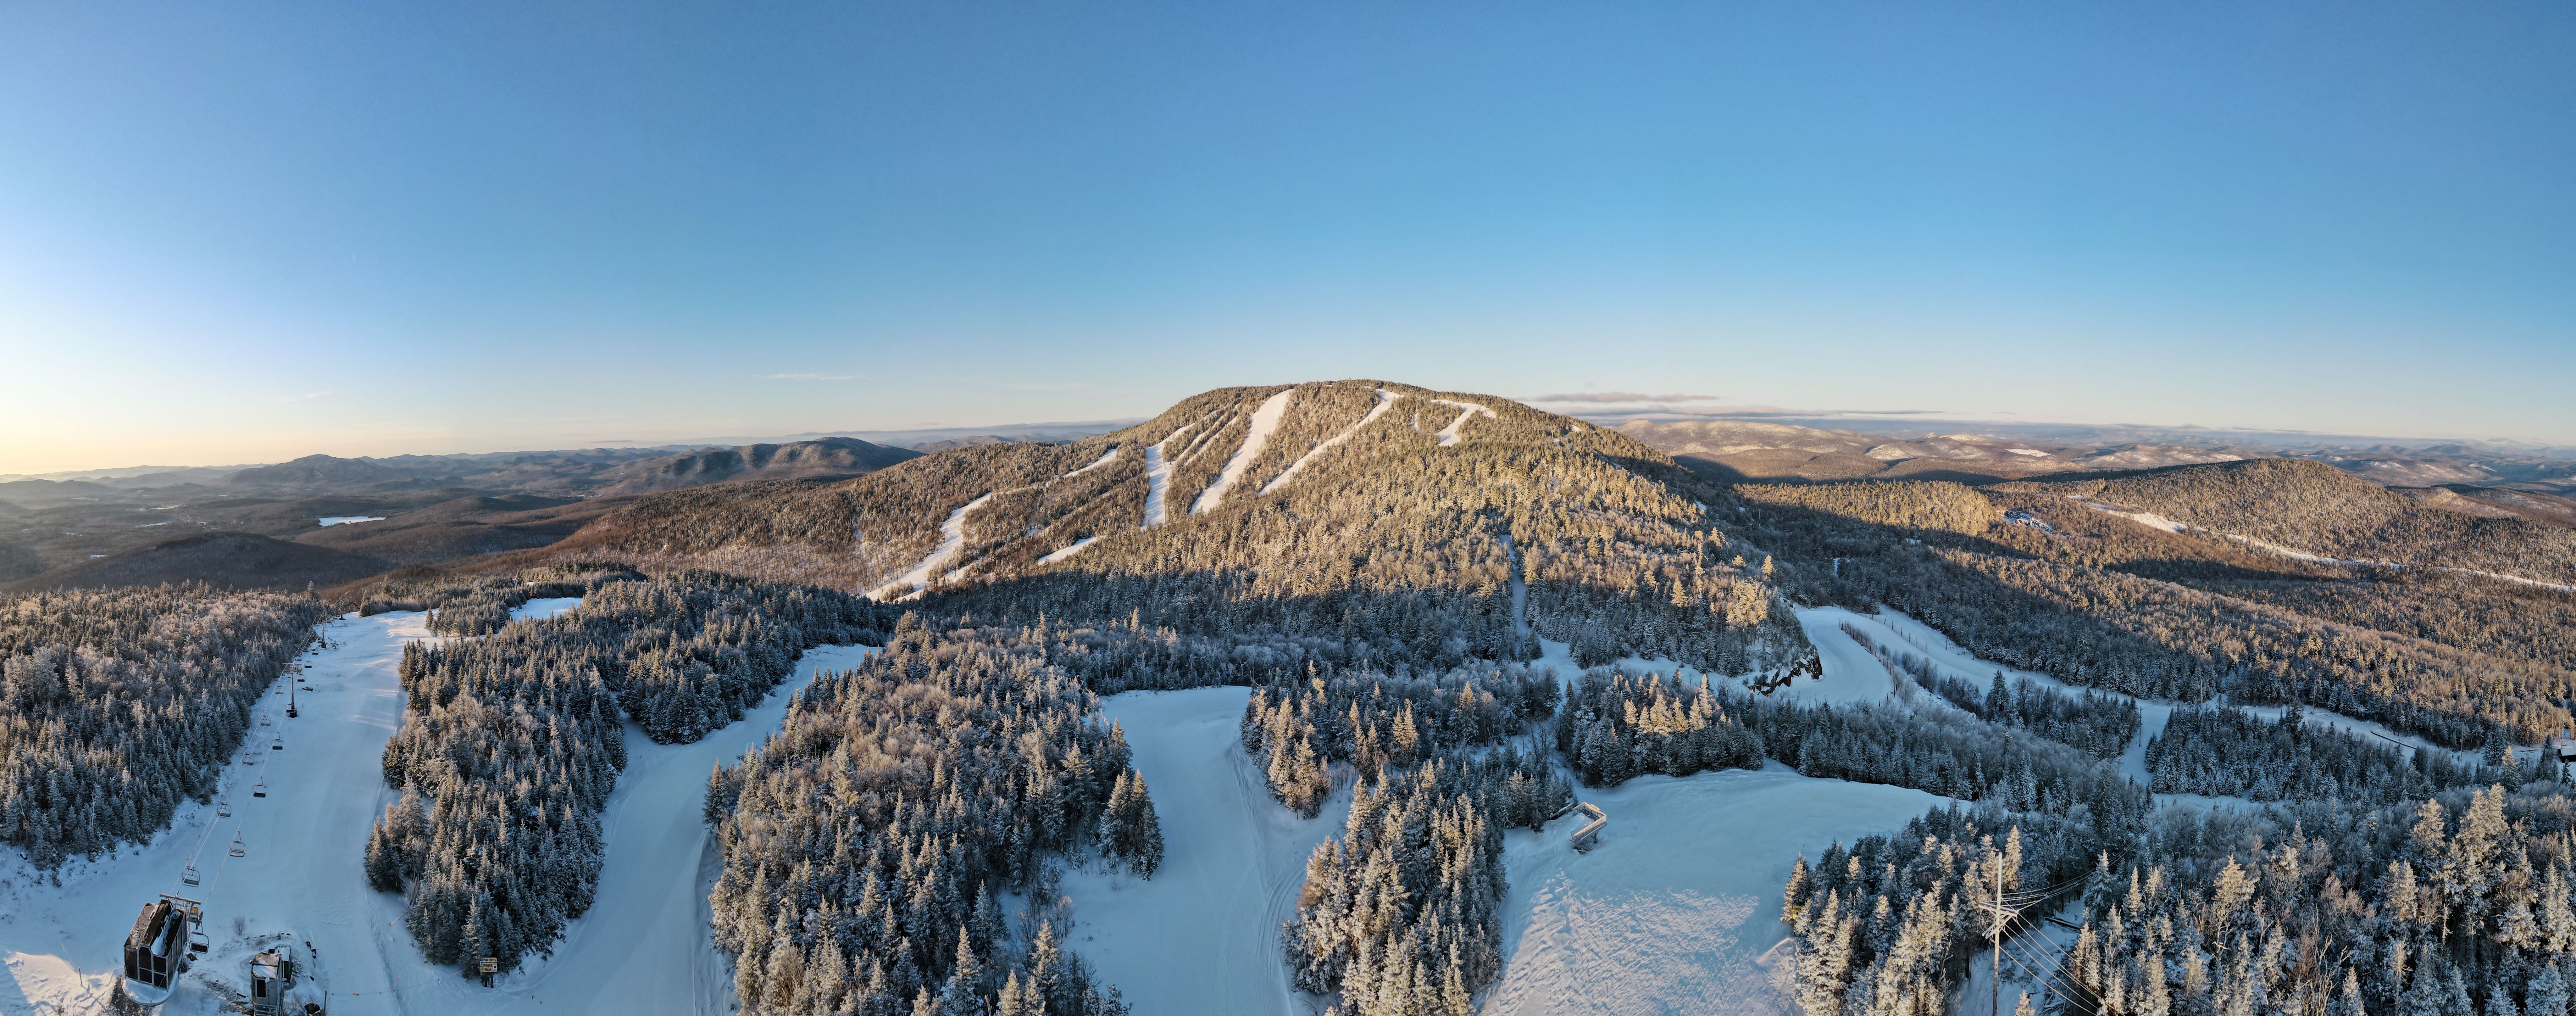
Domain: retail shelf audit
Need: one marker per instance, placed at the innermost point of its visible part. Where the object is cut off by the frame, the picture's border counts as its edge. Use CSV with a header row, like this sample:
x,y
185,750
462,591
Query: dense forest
x,y
1887,928
1374,721
2101,725
866,843
512,741
2412,909
2232,753
117,704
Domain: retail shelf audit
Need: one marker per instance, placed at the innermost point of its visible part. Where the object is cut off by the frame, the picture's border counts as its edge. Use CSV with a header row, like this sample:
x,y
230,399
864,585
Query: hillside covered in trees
x,y
116,705
1374,521
2105,583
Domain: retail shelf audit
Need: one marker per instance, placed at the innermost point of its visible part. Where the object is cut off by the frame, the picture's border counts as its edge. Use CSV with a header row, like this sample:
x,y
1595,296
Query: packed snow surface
x,y
643,947
1076,547
1265,420
1385,401
952,538
342,520
1158,478
300,871
1105,458
1466,411
1678,909
1201,936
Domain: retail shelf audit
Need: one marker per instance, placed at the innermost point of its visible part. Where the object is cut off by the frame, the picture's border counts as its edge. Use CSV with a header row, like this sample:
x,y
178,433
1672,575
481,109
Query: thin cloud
x,y
1621,398
809,377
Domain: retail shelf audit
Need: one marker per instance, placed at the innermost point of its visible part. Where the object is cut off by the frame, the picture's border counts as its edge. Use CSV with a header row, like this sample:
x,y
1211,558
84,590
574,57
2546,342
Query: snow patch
x,y
1264,421
952,539
1385,401
342,520
541,609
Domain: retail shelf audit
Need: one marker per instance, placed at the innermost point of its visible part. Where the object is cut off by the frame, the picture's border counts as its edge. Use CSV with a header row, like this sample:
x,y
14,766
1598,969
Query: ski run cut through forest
x,y
1343,697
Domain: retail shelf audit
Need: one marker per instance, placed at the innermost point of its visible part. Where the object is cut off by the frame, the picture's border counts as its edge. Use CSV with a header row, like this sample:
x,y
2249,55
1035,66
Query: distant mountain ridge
x,y
831,456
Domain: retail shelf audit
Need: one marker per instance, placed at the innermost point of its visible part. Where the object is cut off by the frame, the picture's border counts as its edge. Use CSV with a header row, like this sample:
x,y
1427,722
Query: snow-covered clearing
x,y
1105,458
643,947
1202,936
1466,411
541,609
952,538
1678,909
1158,478
1265,420
342,520
1385,401
1068,550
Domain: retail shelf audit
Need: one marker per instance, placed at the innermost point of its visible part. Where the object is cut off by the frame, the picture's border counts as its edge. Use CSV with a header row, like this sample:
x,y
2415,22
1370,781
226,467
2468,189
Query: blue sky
x,y
243,232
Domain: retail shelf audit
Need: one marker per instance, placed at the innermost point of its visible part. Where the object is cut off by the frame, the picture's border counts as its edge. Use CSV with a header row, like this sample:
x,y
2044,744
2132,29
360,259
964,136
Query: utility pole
x,y
1995,935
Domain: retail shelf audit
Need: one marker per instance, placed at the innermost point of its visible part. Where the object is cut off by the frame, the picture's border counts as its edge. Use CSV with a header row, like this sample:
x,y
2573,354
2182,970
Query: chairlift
x,y
263,719
277,744
260,789
189,875
237,847
224,808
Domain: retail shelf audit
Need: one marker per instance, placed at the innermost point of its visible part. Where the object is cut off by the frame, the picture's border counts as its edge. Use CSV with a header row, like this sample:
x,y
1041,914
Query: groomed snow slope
x,y
952,538
645,946
301,866
1264,421
1158,478
1678,909
1385,401
1466,411
1202,936
1068,550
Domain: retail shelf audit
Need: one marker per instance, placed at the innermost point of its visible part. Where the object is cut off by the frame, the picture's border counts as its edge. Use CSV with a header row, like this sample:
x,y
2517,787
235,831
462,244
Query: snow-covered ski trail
x,y
2155,521
1466,411
646,945
1201,936
952,535
1385,401
1076,547
1158,478
301,869
1105,458
1265,420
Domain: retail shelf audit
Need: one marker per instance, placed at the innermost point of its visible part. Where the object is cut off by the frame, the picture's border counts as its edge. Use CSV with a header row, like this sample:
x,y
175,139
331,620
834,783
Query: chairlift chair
x,y
260,789
263,719
277,744
224,808
237,850
189,875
